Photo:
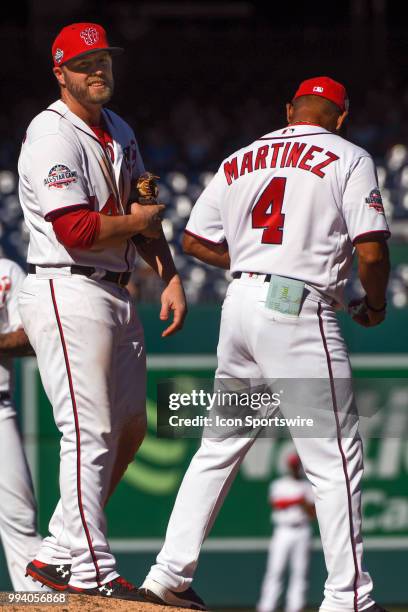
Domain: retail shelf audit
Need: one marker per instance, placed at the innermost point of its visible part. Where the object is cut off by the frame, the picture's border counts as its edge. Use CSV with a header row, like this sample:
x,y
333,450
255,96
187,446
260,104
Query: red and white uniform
x,y
18,528
289,204
63,165
85,332
290,545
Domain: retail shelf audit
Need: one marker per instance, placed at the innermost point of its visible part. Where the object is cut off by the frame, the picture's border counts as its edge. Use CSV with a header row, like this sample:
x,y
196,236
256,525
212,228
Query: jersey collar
x,y
60,107
297,128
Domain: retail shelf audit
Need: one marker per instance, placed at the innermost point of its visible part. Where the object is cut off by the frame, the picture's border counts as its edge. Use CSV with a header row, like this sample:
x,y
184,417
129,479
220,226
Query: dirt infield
x,y
83,603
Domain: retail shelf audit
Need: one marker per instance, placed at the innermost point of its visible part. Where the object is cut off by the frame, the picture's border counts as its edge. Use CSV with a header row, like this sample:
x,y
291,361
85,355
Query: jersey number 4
x,y
267,212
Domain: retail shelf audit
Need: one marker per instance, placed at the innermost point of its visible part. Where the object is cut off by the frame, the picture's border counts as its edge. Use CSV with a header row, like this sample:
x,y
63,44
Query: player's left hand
x,y
173,298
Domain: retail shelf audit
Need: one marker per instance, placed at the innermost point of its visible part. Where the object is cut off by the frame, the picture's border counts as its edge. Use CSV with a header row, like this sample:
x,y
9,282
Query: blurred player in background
x,y
18,520
292,502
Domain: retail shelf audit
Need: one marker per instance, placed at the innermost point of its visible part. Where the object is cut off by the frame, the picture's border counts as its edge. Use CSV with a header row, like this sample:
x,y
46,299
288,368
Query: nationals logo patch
x,y
60,177
374,200
90,36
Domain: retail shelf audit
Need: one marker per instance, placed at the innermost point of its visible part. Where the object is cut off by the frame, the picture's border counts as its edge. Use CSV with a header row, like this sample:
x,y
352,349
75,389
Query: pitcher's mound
x,y
85,603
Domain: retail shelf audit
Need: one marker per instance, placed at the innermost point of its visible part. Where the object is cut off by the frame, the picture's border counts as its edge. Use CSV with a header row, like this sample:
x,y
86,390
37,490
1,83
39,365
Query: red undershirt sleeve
x,y
76,229
282,504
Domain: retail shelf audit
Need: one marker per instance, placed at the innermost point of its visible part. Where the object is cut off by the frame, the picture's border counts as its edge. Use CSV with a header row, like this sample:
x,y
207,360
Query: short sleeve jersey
x,y
285,497
292,203
11,280
64,165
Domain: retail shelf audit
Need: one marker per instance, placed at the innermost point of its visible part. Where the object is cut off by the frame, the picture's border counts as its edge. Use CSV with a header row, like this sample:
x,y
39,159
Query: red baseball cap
x,y
80,39
326,88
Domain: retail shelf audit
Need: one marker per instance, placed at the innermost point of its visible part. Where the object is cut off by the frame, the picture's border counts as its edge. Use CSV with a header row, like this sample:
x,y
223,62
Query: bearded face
x,y
89,79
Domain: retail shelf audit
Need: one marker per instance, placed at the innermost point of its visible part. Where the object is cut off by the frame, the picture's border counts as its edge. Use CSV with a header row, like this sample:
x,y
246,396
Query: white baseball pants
x,y
258,343
289,546
18,521
90,351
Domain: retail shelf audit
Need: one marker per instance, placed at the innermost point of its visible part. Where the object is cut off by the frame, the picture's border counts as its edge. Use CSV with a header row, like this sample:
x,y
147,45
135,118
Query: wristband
x,y
382,309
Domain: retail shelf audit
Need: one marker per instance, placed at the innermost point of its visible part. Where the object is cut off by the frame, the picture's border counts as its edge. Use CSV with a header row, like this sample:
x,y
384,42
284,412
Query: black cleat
x,y
155,592
375,608
119,588
54,576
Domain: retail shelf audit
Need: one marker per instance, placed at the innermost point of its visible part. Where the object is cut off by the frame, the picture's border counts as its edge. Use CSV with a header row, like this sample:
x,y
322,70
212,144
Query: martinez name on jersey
x,y
281,155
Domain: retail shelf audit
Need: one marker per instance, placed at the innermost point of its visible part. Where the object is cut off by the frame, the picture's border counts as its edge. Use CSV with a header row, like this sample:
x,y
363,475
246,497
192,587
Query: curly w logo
x,y
90,36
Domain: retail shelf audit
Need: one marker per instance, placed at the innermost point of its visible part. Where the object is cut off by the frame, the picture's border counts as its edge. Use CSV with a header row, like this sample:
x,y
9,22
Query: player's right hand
x,y
365,316
150,216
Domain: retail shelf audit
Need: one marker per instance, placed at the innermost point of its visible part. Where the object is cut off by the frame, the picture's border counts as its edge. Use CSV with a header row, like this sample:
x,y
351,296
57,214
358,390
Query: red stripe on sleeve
x,y
380,233
53,214
186,231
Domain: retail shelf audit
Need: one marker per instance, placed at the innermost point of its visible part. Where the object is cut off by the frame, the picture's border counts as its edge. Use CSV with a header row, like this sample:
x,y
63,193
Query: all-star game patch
x,y
60,177
374,200
59,54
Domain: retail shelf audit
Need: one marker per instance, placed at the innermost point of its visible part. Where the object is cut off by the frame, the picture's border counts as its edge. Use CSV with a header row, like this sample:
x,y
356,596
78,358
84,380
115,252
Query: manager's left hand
x,y
173,298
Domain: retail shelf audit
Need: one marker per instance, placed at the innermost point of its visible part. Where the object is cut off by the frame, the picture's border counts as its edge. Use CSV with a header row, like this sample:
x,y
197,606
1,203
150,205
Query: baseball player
x,y
77,165
291,499
18,521
286,214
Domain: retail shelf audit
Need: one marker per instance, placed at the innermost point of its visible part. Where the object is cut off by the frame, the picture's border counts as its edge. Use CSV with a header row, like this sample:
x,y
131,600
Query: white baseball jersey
x,y
292,203
286,495
11,280
62,164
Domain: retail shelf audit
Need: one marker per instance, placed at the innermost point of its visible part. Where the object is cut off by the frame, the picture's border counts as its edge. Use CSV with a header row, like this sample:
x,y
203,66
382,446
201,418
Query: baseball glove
x,y
146,191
